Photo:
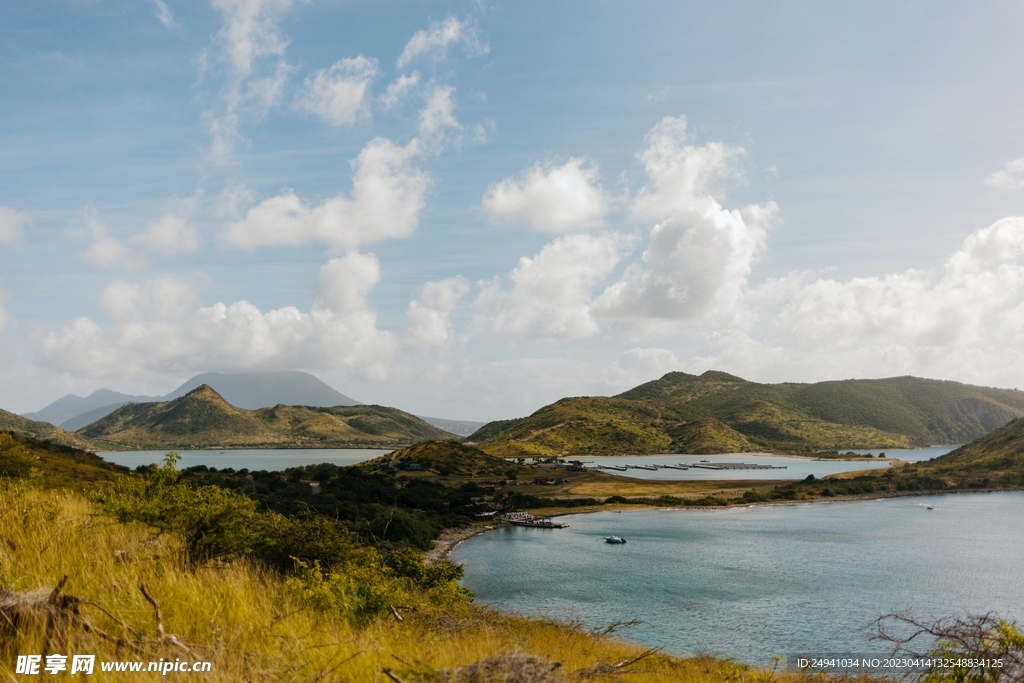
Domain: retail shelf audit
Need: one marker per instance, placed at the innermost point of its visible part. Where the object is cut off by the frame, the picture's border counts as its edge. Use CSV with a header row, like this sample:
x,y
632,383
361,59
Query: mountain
x,y
24,427
253,390
720,413
250,390
71,406
203,419
90,416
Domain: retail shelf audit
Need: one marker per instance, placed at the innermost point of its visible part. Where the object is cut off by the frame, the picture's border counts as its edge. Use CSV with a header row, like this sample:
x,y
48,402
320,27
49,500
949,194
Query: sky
x,y
472,209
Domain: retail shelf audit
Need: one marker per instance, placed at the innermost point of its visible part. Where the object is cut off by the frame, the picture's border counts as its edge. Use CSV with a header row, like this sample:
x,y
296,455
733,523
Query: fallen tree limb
x,y
162,635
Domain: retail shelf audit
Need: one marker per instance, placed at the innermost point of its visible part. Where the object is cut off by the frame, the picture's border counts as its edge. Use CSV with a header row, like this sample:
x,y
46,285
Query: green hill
x,y
720,413
445,458
995,460
50,464
360,425
203,419
22,426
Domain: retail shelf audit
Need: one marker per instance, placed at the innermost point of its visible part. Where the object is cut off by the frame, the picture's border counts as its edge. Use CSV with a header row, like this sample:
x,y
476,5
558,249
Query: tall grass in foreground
x,y
254,625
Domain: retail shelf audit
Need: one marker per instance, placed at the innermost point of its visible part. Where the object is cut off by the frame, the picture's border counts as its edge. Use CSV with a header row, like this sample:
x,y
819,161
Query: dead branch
x,y
611,628
979,636
601,669
162,635
393,677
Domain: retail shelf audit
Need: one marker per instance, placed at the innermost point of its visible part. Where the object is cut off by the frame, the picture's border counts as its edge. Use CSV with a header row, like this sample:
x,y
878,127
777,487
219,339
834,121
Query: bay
x,y
251,459
754,582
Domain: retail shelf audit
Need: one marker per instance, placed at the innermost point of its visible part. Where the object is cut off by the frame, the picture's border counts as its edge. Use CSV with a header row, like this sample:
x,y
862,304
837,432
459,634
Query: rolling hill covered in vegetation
x,y
22,426
52,465
203,419
719,413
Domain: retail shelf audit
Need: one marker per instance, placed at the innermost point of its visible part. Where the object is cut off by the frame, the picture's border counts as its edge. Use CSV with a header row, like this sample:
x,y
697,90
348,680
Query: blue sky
x,y
472,209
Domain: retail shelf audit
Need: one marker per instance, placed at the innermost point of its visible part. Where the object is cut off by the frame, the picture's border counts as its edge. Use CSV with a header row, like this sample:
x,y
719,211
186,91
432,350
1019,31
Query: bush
x,y
217,523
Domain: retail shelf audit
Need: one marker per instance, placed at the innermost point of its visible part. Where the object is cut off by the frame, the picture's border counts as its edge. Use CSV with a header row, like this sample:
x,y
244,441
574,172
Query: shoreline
x,y
450,538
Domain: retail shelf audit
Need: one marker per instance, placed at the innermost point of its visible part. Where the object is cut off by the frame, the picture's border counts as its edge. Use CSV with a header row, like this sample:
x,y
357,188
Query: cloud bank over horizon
x,y
385,214
964,320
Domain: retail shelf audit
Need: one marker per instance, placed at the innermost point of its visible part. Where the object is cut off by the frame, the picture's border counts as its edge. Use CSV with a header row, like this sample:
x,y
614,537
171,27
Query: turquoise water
x,y
253,459
754,582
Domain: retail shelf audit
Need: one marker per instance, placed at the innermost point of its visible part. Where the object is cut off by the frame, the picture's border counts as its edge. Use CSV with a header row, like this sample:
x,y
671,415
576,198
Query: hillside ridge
x,y
717,412
202,418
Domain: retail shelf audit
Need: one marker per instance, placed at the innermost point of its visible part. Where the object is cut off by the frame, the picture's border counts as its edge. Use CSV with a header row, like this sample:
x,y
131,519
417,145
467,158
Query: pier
x,y
544,523
694,465
736,466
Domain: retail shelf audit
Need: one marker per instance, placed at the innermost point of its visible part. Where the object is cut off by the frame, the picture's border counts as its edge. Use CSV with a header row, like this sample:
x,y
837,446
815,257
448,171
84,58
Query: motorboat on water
x,y
614,539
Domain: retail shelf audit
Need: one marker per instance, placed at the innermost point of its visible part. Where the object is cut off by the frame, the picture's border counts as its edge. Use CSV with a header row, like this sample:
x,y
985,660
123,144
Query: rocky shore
x,y
450,538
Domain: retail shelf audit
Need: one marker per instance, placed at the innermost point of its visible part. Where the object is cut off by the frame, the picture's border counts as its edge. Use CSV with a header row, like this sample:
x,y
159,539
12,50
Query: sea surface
x,y
252,459
754,582
795,467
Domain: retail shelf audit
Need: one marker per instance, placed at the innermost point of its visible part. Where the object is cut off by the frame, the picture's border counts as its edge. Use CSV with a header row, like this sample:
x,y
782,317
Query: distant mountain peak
x,y
267,388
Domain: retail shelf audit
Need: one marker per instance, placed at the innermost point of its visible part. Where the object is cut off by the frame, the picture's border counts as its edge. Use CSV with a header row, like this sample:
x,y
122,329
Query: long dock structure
x,y
736,466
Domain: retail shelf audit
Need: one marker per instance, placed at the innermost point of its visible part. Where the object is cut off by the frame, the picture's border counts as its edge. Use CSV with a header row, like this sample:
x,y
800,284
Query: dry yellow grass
x,y
243,620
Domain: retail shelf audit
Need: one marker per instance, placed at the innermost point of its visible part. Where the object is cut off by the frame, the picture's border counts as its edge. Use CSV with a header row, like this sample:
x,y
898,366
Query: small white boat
x,y
614,539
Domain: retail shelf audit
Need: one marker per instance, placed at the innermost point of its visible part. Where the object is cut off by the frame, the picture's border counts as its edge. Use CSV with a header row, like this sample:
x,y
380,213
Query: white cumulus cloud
x,y
439,113
550,198
977,297
552,295
339,94
430,312
157,328
399,88
106,251
700,254
170,234
173,232
385,203
12,223
1009,177
435,40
